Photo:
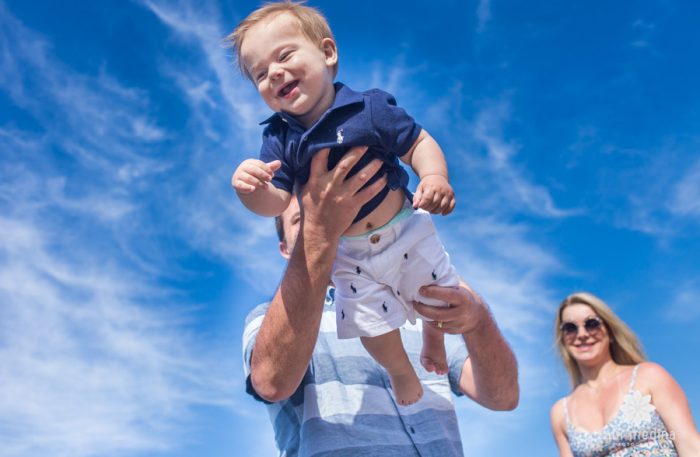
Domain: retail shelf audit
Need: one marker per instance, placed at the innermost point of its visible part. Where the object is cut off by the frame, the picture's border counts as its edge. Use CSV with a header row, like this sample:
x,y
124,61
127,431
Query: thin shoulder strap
x,y
634,377
566,410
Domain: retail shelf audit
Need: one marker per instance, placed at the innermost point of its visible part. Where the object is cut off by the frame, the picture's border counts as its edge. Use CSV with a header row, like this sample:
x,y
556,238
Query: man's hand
x,y
329,202
253,174
463,314
435,195
490,373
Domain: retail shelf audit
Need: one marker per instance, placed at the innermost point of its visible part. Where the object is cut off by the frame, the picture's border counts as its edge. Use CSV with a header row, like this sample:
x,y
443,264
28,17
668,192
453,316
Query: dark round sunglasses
x,y
592,324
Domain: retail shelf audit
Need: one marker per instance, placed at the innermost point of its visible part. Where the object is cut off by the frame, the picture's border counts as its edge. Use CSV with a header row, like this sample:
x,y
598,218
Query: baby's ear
x,y
330,50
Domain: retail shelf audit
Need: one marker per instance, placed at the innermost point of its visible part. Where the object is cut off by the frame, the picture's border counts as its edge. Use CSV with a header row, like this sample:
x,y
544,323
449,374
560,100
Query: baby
x,y
392,249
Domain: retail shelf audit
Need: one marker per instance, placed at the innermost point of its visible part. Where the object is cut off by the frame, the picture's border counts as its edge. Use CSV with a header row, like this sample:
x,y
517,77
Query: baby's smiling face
x,y
291,73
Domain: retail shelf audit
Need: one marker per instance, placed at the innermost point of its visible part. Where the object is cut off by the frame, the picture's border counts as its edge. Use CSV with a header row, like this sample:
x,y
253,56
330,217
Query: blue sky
x,y
127,265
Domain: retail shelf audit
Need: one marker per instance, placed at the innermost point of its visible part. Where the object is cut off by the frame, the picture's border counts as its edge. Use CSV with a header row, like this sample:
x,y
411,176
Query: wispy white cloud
x,y
684,303
89,365
98,357
644,31
685,196
483,15
657,194
226,111
201,24
514,185
511,270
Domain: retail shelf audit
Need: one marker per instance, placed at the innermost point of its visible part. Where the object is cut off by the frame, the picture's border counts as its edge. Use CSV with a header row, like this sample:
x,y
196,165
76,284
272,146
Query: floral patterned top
x,y
636,430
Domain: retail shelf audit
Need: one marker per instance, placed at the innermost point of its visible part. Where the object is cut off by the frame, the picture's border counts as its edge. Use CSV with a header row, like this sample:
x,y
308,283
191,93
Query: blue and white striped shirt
x,y
344,405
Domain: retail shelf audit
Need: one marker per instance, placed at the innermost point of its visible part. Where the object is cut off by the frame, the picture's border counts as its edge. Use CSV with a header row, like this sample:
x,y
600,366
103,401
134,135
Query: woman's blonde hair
x,y
625,347
312,24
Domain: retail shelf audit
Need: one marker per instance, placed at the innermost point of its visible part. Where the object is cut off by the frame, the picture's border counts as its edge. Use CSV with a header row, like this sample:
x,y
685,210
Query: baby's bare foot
x,y
433,357
407,388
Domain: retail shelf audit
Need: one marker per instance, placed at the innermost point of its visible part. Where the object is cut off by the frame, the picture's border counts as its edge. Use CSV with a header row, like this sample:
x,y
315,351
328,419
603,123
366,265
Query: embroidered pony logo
x,y
339,136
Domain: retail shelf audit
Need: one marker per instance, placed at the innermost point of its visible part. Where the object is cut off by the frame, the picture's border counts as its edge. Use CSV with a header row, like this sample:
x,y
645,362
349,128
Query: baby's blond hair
x,y
311,23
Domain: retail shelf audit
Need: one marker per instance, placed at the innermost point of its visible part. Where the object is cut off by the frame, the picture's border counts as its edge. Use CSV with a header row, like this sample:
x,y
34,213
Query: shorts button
x,y
374,239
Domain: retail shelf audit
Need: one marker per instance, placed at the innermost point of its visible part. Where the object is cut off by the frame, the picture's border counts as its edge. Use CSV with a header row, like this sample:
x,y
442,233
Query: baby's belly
x,y
382,214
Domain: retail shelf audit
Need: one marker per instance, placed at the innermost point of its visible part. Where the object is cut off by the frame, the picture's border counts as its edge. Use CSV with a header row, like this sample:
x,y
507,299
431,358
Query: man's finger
x,y
345,164
319,162
438,313
360,179
370,191
445,294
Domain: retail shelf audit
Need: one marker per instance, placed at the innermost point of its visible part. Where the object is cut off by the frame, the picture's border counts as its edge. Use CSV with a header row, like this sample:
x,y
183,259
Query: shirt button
x,y
374,239
413,430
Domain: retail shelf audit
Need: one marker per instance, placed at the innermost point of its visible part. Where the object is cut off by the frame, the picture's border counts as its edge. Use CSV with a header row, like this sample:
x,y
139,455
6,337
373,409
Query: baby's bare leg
x,y
433,357
389,352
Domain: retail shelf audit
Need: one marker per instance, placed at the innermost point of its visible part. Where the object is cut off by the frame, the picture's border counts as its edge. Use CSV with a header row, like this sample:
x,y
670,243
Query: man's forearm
x,y
290,328
492,364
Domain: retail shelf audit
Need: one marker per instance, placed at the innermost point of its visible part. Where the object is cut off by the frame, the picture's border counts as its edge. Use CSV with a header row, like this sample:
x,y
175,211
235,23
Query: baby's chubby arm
x,y
434,193
252,182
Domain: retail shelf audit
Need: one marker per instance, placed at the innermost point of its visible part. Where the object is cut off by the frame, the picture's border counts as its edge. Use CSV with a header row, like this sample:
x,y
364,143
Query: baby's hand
x,y
434,194
253,174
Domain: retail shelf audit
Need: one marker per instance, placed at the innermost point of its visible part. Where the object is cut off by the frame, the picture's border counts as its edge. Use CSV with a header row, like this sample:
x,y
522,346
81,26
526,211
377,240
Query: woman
x,y
620,405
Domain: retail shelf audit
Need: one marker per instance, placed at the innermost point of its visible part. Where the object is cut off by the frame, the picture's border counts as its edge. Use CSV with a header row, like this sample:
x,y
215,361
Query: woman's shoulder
x,y
557,414
651,375
650,371
651,368
558,408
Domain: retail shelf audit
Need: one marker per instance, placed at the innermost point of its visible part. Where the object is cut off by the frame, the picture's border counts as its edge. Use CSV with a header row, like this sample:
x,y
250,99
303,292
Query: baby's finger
x,y
259,183
443,205
260,173
417,197
433,204
426,198
449,207
243,187
273,166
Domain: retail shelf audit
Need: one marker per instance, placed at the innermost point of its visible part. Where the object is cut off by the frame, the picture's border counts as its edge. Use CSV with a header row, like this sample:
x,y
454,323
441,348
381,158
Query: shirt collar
x,y
344,96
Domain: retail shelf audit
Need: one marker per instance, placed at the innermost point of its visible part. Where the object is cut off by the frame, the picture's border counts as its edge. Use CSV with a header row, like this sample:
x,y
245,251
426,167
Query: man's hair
x,y
279,226
311,23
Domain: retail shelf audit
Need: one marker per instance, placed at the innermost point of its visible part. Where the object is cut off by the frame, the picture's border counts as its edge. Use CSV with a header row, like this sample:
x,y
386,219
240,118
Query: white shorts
x,y
377,275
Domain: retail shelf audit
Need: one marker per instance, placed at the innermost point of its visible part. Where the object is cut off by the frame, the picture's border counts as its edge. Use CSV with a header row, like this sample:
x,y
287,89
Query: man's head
x,y
287,225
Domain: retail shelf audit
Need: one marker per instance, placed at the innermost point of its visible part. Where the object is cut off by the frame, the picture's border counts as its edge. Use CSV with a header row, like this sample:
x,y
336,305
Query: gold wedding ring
x,y
439,324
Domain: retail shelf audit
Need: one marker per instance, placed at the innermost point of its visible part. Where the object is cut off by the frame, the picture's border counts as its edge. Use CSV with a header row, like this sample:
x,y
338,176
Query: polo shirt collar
x,y
344,96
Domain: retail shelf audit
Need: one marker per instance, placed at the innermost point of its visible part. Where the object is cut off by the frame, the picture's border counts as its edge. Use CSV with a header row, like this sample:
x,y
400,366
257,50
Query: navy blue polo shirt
x,y
368,118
